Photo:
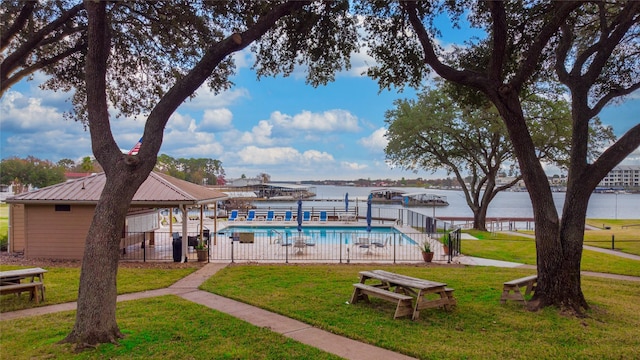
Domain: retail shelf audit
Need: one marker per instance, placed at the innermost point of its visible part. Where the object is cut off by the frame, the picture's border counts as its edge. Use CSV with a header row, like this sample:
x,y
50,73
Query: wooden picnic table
x,y
427,294
11,282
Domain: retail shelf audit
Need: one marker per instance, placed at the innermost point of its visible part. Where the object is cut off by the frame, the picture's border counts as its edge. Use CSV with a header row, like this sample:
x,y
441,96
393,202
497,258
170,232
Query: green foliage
x,y
198,171
4,241
426,247
30,171
169,38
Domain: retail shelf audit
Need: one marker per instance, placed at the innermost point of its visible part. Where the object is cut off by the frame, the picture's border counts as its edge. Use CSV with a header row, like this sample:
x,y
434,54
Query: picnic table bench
x,y
11,282
515,285
403,290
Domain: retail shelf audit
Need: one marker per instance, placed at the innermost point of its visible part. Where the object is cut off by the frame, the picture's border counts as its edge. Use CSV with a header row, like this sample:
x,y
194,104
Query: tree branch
x,y
18,24
617,152
98,48
625,19
499,31
465,77
535,51
186,86
6,84
20,55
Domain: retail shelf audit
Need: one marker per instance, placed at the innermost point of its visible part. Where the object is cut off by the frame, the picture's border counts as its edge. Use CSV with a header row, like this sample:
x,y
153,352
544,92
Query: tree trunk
x,y
480,218
561,286
96,318
558,256
97,295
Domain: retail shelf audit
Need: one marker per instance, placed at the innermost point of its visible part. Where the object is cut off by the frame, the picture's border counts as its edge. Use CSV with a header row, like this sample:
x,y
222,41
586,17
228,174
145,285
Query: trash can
x,y
177,248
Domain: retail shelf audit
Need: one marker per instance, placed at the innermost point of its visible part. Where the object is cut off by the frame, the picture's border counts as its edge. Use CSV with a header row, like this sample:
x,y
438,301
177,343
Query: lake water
x,y
505,204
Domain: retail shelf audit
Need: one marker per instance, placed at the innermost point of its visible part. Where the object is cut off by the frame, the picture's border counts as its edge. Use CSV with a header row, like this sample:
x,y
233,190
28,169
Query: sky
x,y
278,126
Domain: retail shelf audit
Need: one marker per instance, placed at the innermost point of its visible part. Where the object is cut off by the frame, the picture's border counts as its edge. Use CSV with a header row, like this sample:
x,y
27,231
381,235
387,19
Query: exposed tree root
x,y
565,308
91,341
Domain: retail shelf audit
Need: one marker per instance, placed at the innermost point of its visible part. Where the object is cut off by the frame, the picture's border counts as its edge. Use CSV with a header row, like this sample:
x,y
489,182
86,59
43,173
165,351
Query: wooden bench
x,y
449,292
31,287
515,285
403,302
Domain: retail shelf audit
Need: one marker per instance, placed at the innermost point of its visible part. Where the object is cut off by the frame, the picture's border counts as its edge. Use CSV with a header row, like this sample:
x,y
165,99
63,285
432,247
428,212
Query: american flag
x,y
135,149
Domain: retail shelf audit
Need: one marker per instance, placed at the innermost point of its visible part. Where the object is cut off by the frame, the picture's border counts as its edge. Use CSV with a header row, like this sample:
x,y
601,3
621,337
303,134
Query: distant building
x,y
504,180
622,176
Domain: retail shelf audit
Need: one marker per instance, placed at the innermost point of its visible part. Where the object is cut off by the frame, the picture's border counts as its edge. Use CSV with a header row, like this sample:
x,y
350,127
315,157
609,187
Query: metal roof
x,y
157,190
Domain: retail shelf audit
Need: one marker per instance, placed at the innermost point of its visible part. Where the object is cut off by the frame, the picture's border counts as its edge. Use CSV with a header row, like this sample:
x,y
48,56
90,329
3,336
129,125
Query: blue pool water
x,y
324,234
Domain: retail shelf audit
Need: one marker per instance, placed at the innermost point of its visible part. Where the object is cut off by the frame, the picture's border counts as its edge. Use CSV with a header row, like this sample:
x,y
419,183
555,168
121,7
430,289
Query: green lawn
x,y
166,327
478,328
521,249
625,233
4,224
62,284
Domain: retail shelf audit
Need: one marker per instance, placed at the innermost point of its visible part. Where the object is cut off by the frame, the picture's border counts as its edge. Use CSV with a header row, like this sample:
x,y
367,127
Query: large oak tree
x,y
436,131
593,47
145,59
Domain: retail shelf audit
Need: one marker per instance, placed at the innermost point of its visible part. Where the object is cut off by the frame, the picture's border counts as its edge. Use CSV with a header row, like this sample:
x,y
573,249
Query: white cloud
x,y
315,156
259,135
244,59
179,122
326,122
253,155
27,114
633,158
216,119
360,63
210,150
376,141
207,99
353,165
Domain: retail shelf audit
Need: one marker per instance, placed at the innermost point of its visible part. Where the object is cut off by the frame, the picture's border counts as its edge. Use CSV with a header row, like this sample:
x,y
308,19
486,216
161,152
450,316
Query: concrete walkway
x,y
187,288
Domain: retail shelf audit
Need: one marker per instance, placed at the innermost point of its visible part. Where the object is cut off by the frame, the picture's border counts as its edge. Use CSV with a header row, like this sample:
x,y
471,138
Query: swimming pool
x,y
323,234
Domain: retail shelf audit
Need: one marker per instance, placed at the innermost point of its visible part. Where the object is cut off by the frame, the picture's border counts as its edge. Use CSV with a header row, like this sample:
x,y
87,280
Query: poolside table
x,y
346,217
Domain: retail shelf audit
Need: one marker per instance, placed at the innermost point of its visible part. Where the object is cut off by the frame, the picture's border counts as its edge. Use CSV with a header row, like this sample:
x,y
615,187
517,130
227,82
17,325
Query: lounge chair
x,y
306,216
381,245
252,215
234,215
270,214
323,216
288,216
364,243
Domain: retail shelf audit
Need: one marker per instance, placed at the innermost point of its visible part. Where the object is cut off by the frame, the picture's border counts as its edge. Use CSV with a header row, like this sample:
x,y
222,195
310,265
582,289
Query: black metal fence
x,y
331,245
277,246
